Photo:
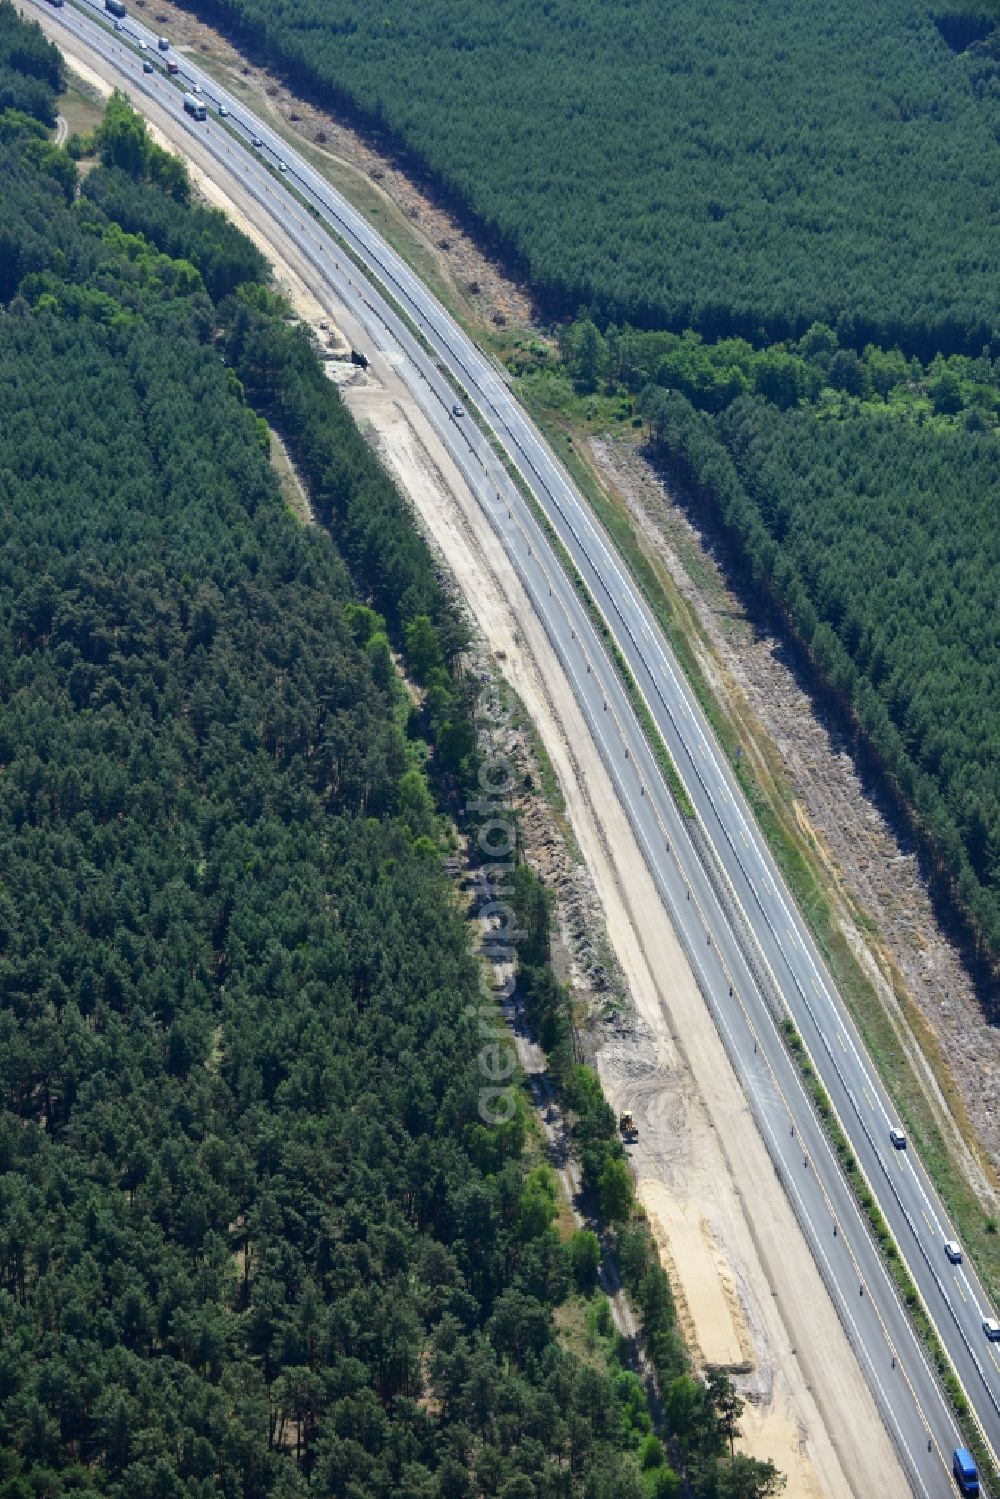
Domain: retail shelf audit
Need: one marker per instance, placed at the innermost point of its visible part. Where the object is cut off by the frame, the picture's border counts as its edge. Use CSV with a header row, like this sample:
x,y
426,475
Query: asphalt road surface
x,y
748,945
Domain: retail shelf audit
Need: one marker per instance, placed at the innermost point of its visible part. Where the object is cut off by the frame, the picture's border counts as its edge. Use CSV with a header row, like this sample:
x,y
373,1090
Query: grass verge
x,y
772,800
890,1253
360,191
80,106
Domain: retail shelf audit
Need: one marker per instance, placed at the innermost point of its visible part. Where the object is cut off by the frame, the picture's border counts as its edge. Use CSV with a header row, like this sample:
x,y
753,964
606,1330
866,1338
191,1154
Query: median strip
x,y
909,1295
673,780
638,703
866,1201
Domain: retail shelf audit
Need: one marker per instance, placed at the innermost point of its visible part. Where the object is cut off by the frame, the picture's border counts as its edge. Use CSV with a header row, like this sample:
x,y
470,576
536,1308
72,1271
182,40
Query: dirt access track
x,y
746,1284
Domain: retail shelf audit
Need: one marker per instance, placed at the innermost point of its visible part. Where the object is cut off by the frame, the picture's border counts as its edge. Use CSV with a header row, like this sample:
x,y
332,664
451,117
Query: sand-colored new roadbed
x,y
688,1101
709,1308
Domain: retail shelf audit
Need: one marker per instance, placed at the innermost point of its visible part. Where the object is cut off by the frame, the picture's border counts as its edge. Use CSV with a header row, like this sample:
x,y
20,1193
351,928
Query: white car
x,y
458,411
991,1327
898,1138
282,167
223,111
953,1251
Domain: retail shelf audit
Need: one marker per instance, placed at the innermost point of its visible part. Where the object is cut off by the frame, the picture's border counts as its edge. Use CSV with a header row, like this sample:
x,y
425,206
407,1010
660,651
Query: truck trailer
x,y
195,106
115,8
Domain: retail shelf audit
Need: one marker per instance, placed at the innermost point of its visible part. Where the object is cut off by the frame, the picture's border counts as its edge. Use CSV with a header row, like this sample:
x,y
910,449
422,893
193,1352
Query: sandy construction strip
x,y
800,1360
717,1335
697,1135
714,1328
770,1432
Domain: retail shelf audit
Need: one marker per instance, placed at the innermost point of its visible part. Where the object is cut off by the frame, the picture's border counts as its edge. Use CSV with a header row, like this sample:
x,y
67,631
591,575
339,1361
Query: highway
x,y
748,945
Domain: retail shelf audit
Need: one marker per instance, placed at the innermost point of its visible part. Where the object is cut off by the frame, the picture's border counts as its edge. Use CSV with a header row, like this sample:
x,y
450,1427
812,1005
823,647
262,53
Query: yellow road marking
x,y
817,987
961,1289
926,1219
744,837
840,1038
869,1098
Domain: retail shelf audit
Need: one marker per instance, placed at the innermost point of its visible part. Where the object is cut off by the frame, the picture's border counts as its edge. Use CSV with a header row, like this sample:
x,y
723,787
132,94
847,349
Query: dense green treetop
x,y
733,168
796,205
31,68
246,1233
877,539
255,1235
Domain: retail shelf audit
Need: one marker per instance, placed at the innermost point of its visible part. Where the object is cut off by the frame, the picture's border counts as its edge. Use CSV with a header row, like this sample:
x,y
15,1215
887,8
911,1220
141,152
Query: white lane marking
x,y
397,262
703,747
927,1202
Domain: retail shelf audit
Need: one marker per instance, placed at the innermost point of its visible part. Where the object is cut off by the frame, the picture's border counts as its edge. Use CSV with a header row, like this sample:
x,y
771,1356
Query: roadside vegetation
x,y
854,494
590,381
573,397
593,378
734,171
859,408
874,542
790,254
254,1235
